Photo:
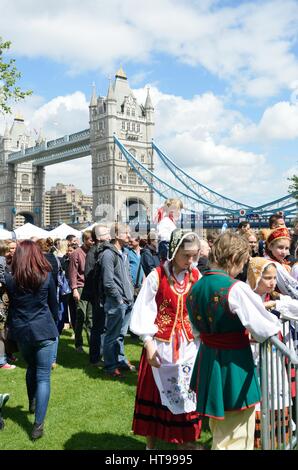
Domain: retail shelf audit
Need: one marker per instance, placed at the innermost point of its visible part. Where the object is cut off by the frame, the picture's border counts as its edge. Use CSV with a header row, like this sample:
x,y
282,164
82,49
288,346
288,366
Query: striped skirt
x,y
283,427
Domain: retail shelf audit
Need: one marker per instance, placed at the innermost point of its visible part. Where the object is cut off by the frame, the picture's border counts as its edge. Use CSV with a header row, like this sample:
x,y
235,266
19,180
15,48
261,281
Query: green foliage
x,y
294,185
9,75
87,409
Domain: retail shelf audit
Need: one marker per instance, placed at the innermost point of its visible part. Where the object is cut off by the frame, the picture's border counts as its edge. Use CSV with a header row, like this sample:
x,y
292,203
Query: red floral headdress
x,y
277,233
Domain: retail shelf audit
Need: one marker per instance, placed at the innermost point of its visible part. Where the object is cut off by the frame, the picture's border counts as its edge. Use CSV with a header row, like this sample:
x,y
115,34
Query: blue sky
x,y
223,77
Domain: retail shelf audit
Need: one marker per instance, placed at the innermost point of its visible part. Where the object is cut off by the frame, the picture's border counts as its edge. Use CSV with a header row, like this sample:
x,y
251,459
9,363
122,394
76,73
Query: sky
x,y
223,78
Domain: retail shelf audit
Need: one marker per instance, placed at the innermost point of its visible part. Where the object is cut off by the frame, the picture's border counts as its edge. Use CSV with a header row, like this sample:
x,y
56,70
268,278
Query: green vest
x,y
223,379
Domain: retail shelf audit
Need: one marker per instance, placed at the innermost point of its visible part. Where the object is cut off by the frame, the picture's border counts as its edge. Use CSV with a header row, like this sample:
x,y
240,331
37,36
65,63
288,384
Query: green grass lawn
x,y
87,409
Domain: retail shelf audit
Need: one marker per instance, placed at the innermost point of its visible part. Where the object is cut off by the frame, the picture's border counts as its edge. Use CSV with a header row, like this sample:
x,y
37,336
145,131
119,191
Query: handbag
x,y
63,284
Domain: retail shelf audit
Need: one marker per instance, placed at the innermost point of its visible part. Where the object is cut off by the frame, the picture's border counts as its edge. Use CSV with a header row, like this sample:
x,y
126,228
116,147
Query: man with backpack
x,y
101,236
118,300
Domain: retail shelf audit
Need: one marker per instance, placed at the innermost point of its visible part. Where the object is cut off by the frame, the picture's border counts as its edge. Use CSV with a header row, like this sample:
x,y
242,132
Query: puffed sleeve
x,y
286,284
251,312
145,309
287,307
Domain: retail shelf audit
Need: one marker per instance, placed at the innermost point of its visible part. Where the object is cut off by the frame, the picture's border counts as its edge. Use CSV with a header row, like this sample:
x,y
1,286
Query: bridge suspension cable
x,y
201,191
287,204
162,188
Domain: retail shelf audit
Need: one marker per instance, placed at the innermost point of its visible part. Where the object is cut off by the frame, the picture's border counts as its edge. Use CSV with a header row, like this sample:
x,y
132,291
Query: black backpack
x,y
97,281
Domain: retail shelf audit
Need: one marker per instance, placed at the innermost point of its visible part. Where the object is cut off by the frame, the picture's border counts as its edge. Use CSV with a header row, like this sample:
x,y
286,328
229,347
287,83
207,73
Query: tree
x,y
293,188
9,75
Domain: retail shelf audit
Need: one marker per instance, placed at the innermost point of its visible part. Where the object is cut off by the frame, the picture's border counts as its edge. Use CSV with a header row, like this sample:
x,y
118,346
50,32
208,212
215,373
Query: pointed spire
x,y
6,132
148,104
111,94
93,101
121,74
19,117
40,137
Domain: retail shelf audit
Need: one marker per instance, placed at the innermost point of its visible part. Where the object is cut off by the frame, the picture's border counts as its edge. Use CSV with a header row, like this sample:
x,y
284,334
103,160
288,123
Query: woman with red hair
x,y
33,309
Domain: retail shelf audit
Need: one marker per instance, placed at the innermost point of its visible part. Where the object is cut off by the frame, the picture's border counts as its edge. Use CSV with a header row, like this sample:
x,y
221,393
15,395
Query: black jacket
x,y
149,259
32,315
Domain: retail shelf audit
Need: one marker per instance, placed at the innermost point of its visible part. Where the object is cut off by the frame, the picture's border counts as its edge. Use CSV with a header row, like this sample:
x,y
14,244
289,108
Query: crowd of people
x,y
197,305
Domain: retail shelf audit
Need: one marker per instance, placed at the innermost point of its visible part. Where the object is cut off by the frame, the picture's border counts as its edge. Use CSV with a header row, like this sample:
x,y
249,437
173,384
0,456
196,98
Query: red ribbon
x,y
234,340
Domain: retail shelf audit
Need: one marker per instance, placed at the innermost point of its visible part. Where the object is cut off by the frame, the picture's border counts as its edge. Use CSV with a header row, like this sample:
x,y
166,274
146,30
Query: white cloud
x,y
250,44
62,115
278,122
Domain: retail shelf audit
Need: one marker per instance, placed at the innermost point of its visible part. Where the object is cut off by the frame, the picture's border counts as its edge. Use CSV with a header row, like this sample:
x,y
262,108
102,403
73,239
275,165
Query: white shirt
x,y
165,228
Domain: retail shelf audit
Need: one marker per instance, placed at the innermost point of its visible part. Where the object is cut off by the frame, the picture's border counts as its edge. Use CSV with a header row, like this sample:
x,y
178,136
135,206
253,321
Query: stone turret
x,y
114,183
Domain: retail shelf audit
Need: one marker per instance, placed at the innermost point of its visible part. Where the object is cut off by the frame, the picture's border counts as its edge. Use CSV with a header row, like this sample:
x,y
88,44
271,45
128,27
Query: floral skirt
x,y
151,418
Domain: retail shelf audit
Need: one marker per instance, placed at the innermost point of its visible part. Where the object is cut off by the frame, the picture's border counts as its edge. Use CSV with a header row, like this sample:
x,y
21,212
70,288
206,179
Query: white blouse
x,y
294,271
165,228
285,282
242,302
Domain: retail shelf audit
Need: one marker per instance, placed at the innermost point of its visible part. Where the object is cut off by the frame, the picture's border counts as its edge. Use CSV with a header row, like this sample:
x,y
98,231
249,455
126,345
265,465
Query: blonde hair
x,y
171,204
62,248
229,249
250,233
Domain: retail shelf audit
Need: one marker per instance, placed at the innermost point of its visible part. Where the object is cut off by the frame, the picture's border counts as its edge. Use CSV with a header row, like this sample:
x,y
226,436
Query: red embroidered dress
x,y
151,416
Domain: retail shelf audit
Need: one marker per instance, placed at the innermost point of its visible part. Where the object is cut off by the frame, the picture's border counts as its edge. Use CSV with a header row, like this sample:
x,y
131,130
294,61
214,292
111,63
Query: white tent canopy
x,y
5,234
29,230
63,230
90,227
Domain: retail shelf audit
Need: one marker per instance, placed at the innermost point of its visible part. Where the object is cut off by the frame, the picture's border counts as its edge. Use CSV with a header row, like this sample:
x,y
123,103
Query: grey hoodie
x,y
117,282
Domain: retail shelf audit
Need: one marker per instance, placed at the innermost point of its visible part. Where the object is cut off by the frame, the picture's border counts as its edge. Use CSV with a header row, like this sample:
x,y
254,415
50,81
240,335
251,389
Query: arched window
x,y
25,179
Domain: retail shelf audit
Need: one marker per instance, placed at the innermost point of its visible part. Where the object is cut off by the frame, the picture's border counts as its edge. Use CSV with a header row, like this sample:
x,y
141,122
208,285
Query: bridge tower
x,y
118,193
22,185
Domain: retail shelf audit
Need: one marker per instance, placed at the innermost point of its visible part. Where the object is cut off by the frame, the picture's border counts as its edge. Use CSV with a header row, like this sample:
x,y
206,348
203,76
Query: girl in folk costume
x,y
261,276
224,377
164,407
277,248
166,220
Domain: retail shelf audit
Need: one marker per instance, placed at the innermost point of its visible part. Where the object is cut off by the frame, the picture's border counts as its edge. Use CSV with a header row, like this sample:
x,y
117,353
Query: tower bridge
x,y
120,142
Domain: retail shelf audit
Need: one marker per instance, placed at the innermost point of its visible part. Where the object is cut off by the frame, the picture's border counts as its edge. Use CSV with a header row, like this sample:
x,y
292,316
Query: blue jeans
x,y
3,357
39,357
117,322
56,349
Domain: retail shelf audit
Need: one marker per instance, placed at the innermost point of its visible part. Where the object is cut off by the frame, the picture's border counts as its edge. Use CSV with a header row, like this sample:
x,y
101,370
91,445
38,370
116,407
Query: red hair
x,y
29,266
